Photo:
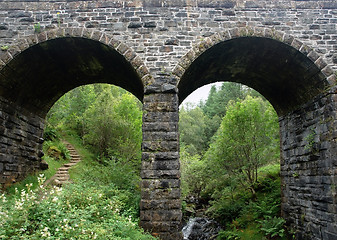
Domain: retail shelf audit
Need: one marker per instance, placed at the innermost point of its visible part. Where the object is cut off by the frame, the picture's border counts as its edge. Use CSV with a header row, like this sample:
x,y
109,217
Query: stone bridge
x,y
161,51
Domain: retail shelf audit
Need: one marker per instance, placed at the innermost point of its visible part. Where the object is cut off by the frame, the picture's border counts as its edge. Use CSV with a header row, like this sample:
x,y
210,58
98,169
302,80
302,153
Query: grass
x,y
252,232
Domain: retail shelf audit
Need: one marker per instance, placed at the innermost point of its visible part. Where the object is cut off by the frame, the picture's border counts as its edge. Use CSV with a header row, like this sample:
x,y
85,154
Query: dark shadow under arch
x,y
39,75
285,76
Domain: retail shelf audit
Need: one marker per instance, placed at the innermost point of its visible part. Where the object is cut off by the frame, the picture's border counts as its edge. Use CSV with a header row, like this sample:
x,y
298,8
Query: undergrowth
x,y
102,203
247,218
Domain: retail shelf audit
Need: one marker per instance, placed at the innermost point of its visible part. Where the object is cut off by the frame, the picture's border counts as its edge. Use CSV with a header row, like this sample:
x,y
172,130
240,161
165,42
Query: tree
x,y
113,125
247,139
106,117
192,130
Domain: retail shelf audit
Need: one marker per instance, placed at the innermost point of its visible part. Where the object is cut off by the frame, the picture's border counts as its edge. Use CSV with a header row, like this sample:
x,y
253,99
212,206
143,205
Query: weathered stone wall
x,y
308,169
20,142
162,31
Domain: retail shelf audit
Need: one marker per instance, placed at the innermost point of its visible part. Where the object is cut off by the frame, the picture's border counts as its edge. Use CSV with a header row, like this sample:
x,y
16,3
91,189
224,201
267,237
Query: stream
x,y
200,228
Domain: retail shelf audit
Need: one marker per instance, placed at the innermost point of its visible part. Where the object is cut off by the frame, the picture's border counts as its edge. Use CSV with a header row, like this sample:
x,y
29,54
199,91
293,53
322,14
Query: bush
x,y
74,212
225,211
228,235
56,149
50,133
273,227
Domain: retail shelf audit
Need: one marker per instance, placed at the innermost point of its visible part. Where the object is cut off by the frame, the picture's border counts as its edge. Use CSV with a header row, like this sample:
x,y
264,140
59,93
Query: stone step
x,y
62,178
75,160
62,169
62,174
69,164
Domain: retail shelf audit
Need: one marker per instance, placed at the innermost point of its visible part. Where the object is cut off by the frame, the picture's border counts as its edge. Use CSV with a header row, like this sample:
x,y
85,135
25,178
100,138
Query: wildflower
x,y
3,198
45,232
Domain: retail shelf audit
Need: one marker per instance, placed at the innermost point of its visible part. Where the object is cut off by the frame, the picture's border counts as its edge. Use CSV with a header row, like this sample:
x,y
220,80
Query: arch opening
x,y
35,79
226,152
303,95
282,74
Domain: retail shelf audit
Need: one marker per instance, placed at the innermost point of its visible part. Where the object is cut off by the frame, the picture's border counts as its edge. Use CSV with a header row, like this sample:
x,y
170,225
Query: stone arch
x,y
315,65
12,62
38,69
304,96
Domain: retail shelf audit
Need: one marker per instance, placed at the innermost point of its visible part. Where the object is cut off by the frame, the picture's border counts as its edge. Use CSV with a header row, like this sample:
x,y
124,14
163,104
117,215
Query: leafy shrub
x,y
264,208
56,149
226,211
273,227
228,235
74,212
111,175
50,133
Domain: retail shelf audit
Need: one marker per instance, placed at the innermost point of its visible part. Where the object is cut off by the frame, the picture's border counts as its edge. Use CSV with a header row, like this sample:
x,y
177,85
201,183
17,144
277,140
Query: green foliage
x,y
192,123
243,215
101,204
74,212
4,48
56,149
218,99
105,117
246,140
50,133
239,173
228,235
37,27
225,211
113,126
192,174
273,227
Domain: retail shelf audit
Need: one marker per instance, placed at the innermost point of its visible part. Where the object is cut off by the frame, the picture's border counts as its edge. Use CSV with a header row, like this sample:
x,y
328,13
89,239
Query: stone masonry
x,y
161,51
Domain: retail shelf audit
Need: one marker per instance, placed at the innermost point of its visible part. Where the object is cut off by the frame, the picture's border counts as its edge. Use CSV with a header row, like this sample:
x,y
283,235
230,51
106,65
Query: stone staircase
x,y
62,175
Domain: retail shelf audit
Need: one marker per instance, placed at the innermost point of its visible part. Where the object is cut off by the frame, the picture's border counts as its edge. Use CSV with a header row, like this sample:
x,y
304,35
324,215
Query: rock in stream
x,y
201,229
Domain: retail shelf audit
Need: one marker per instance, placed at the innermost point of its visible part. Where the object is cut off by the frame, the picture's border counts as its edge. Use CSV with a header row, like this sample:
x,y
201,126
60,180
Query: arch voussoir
x,y
228,34
28,41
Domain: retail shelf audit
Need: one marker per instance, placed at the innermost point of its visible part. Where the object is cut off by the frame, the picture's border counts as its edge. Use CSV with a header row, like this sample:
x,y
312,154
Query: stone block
x,y
160,127
161,106
161,165
160,117
11,167
160,183
152,156
160,204
171,226
160,146
158,174
163,136
161,215
160,97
